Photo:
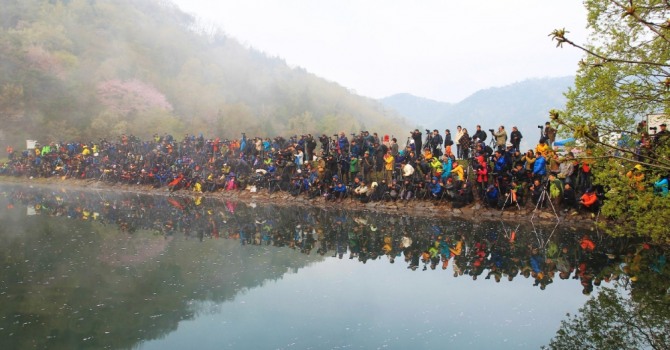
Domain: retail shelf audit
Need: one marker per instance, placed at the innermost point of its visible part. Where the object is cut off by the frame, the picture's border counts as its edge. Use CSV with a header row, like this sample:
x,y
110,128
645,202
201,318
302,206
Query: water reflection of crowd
x,y
489,251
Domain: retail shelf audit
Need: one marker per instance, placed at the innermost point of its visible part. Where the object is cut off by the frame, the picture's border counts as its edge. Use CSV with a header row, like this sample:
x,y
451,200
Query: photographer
x,y
325,142
436,144
310,146
515,138
549,134
479,136
501,137
343,144
416,136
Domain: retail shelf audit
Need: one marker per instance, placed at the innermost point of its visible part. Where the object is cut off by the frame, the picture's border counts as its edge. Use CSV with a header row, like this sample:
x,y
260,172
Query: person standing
x,y
394,147
515,138
389,164
661,136
501,137
479,136
549,134
447,138
416,136
457,140
436,144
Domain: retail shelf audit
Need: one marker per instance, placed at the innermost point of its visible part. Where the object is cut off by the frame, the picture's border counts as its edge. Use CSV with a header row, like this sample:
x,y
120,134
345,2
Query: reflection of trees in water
x,y
632,316
71,280
481,250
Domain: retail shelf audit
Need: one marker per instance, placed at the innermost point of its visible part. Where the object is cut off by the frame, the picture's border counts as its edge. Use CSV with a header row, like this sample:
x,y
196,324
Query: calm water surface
x,y
107,270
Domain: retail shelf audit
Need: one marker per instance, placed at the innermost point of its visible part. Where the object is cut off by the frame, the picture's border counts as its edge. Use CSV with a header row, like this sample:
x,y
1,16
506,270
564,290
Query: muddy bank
x,y
418,208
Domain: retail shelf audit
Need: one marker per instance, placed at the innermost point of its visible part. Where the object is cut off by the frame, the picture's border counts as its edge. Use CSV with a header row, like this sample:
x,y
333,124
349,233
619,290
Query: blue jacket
x,y
499,165
540,166
435,188
661,187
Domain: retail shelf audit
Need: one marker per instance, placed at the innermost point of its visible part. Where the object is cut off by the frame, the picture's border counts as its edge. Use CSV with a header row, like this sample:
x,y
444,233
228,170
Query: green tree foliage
x,y
83,67
625,75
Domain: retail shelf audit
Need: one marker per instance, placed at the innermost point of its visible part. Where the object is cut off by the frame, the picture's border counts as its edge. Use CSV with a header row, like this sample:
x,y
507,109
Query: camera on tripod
x,y
491,130
540,126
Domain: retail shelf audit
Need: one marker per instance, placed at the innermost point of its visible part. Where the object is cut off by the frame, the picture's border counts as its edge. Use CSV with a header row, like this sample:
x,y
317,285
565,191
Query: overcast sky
x,y
439,49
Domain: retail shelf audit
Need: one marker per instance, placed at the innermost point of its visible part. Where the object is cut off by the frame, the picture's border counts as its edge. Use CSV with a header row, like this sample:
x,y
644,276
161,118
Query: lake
x,y
86,269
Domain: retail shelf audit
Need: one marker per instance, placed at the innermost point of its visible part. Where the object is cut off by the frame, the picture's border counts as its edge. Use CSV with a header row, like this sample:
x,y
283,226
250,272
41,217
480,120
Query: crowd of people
x,y
458,169
487,251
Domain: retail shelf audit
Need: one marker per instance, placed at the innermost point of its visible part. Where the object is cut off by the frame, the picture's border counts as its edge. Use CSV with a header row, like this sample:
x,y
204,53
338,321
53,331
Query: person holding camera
x,y
549,134
501,137
416,136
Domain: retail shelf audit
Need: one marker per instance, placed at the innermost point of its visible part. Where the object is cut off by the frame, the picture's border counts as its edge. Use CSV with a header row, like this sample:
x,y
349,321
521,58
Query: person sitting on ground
x,y
589,201
407,190
339,191
435,188
536,192
394,190
361,192
407,170
491,196
457,171
569,200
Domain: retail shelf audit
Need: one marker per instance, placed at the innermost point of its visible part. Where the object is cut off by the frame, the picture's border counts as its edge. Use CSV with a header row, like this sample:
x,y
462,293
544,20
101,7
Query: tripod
x,y
493,143
544,196
509,199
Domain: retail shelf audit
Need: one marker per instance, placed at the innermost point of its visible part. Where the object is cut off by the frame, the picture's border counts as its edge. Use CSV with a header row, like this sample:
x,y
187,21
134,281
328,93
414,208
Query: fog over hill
x,y
82,69
525,104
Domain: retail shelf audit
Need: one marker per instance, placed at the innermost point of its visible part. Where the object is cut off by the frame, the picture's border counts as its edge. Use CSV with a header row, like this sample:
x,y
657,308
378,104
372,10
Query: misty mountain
x,y
525,104
82,69
421,111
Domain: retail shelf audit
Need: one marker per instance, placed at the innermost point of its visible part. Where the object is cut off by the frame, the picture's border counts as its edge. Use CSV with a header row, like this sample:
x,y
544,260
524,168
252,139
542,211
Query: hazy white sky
x,y
439,49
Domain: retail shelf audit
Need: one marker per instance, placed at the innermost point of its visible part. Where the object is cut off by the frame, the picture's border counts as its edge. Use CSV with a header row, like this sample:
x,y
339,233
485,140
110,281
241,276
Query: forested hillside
x,y
82,69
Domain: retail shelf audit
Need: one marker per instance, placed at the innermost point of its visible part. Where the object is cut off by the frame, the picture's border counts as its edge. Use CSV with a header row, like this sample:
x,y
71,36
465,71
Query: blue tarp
x,y
563,142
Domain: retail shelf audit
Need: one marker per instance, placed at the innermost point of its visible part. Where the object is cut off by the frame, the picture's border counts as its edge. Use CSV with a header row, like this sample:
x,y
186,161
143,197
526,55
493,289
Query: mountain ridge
x,y
525,103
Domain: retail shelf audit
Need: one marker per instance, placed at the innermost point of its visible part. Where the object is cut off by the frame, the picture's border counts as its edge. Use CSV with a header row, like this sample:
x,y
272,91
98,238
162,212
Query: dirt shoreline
x,y
418,208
